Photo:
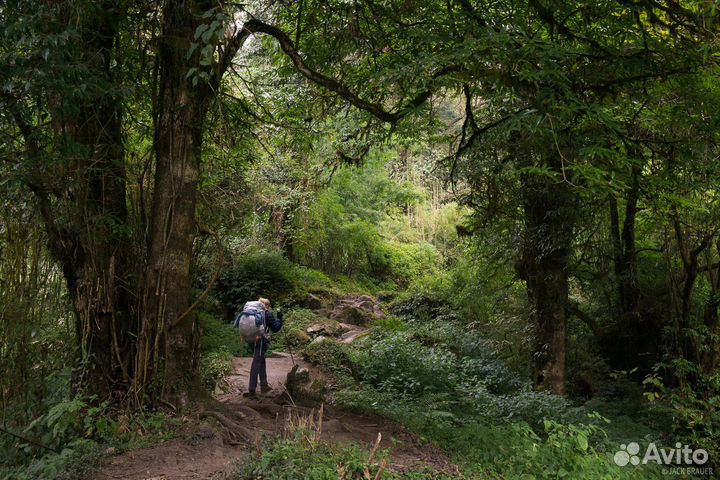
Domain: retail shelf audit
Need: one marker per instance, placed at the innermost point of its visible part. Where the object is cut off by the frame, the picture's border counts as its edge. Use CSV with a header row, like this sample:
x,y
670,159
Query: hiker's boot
x,y
250,395
265,388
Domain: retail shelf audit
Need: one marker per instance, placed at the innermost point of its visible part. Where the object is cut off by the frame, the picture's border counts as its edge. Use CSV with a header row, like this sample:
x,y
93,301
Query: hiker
x,y
255,322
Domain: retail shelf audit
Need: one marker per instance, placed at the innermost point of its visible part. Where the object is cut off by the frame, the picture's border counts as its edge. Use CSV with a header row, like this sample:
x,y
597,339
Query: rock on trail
x,y
344,319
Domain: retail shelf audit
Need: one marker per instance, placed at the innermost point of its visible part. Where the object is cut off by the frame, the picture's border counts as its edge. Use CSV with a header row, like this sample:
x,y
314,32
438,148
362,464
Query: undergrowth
x,y
445,383
298,453
75,434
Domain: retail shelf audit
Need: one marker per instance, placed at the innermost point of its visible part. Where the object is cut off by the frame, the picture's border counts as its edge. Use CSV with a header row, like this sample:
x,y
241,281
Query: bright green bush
x,y
412,263
337,242
357,227
214,367
503,446
515,450
295,322
397,363
444,380
265,273
434,364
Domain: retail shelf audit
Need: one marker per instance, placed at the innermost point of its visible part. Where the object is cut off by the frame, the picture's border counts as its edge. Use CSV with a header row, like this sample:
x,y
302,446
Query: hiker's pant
x,y
258,364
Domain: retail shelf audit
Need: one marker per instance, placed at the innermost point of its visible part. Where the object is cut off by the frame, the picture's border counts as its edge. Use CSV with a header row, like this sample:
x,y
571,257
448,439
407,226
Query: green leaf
x,y
200,30
582,441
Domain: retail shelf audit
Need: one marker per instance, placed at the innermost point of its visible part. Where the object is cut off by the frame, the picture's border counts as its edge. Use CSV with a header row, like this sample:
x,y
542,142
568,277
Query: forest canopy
x,y
546,171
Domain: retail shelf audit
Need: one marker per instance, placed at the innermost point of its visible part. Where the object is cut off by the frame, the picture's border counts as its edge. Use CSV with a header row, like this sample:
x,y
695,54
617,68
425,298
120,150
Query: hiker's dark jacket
x,y
274,324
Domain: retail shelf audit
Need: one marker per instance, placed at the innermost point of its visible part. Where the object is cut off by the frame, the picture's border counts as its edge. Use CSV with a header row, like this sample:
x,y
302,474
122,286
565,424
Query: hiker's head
x,y
265,302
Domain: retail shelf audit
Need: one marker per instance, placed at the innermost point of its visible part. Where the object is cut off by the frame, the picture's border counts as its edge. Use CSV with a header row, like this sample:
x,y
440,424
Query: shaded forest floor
x,y
202,453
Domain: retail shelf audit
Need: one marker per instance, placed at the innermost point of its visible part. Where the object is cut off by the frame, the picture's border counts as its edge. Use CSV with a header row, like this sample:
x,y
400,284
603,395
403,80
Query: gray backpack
x,y
251,321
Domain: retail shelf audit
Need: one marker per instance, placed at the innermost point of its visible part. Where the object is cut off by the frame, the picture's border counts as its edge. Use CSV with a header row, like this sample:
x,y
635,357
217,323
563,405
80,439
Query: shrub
x,y
562,451
334,357
295,322
695,414
492,446
299,454
255,274
265,273
218,335
64,422
446,383
78,430
411,262
397,363
214,367
74,462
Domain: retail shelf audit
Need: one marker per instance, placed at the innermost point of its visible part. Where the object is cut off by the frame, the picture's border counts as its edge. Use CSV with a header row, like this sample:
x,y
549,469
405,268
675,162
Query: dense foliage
x,y
531,187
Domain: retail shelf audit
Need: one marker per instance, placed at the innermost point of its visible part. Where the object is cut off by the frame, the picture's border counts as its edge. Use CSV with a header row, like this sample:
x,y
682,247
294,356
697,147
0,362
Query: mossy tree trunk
x,y
547,206
82,198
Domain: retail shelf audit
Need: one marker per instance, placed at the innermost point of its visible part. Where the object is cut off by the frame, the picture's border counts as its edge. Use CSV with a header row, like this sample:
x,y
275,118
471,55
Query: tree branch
x,y
235,42
574,309
480,131
286,44
58,245
705,268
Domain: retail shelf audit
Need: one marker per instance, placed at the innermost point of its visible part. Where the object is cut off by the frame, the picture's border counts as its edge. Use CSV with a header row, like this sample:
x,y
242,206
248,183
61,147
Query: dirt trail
x,y
206,450
203,454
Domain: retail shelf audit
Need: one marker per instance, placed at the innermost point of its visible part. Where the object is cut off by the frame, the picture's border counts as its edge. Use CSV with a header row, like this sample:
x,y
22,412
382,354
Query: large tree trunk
x,y
547,205
686,343
625,345
624,251
100,291
710,357
85,216
169,329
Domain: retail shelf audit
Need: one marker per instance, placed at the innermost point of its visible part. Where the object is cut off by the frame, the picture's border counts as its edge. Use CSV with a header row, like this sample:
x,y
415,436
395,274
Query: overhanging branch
x,y
286,44
592,324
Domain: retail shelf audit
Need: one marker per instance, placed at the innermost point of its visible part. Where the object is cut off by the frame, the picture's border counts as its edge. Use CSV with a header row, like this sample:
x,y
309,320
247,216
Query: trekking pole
x,y
288,343
291,354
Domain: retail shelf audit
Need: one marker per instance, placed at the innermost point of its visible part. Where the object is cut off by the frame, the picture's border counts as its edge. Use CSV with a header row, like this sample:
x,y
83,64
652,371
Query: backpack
x,y
251,321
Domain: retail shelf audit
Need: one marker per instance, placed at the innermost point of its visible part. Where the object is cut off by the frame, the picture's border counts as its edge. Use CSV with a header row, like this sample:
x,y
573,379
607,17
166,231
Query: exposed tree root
x,y
248,412
233,433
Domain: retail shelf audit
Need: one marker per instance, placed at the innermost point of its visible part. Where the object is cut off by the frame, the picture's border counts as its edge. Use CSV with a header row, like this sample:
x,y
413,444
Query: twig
x,y
320,418
25,439
168,404
289,396
375,447
381,470
291,354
